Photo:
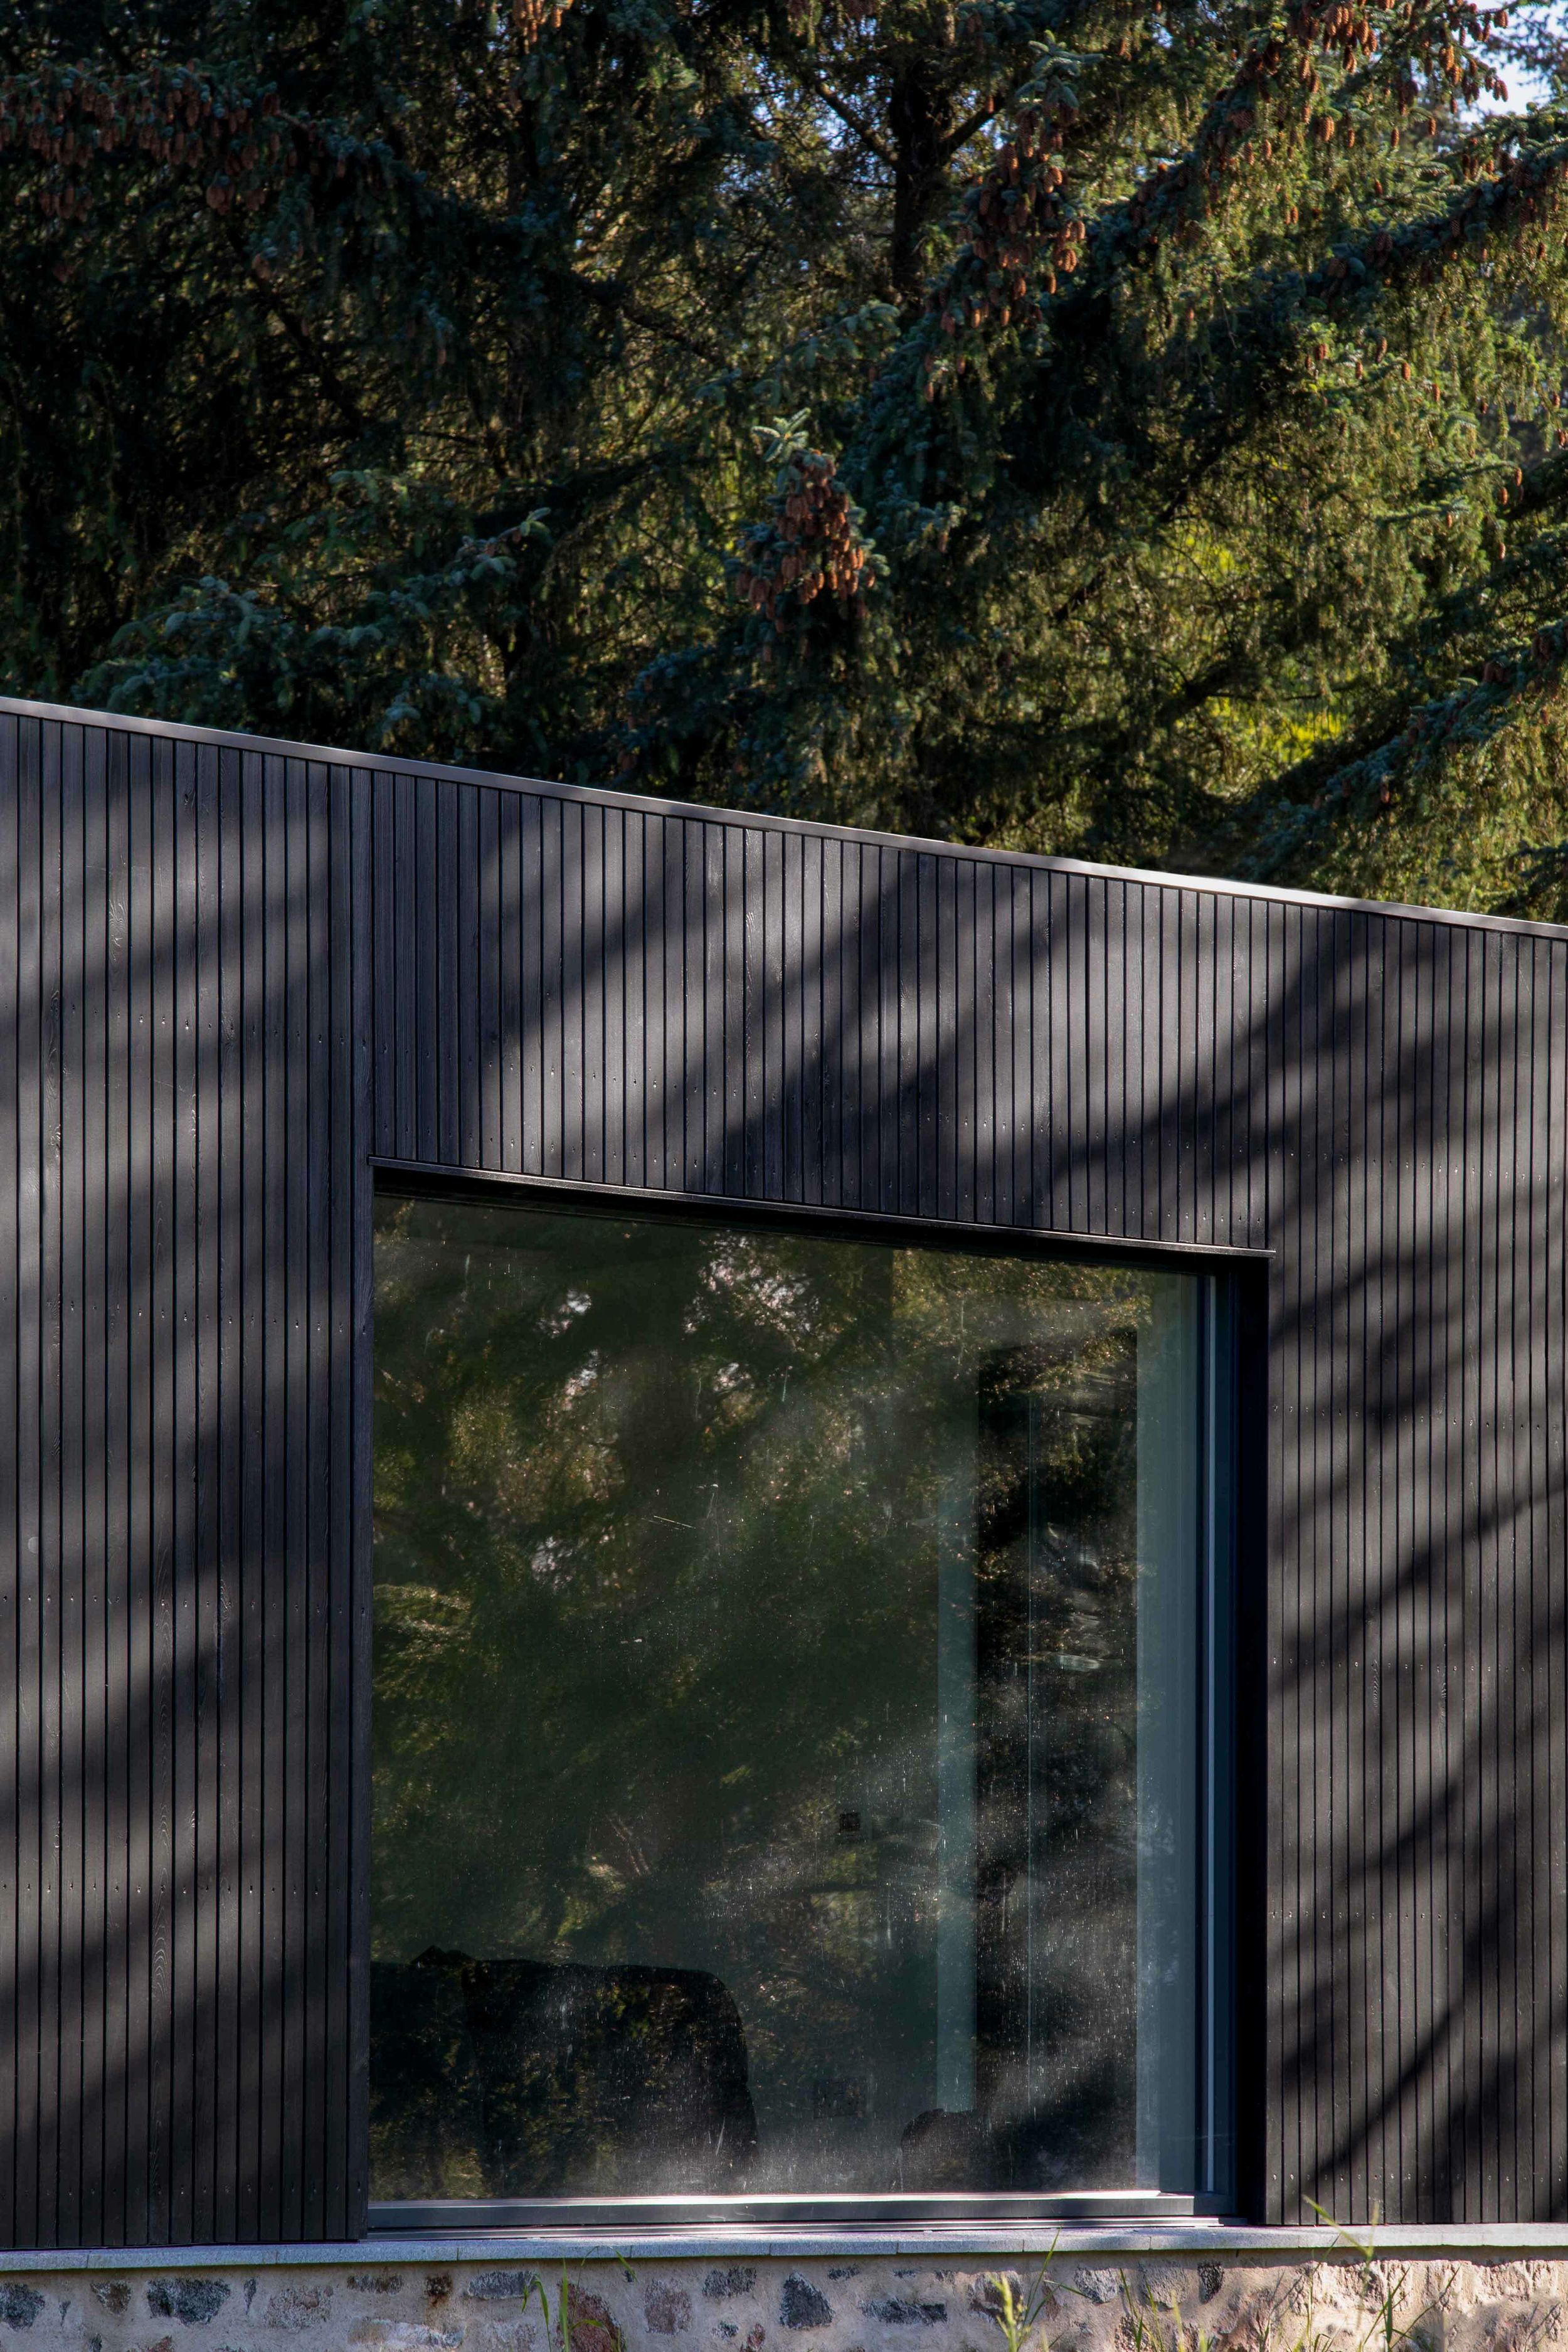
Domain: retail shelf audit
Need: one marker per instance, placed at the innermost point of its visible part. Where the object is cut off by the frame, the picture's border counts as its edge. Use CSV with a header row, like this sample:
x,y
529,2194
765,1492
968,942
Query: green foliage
x,y
1128,427
1018,2309
1284,2318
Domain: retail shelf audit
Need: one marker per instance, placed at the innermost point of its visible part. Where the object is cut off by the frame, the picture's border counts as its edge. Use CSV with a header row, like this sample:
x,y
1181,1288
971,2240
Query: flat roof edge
x,y
605,796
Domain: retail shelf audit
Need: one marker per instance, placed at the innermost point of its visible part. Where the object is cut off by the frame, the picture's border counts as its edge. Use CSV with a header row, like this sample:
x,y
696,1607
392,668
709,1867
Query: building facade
x,y
1058,1372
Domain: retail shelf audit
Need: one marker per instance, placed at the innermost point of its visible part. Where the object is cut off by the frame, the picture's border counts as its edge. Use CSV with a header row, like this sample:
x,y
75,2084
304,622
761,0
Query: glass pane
x,y
786,1713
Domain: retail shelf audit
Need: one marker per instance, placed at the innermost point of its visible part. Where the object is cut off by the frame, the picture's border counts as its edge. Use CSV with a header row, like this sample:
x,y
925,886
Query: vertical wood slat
x,y
589,1070
73,1593
704,928
631,914
13,1300
101,2212
668,1012
768,1134
47,1746
206,1097
831,1176
25,1385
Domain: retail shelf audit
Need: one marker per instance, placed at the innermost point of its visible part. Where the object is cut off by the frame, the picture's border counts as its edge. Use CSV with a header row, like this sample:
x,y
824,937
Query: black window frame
x,y
1232,2030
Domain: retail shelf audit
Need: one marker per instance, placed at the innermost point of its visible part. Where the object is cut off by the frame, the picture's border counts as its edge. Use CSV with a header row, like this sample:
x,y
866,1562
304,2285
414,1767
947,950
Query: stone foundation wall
x,y
1188,2303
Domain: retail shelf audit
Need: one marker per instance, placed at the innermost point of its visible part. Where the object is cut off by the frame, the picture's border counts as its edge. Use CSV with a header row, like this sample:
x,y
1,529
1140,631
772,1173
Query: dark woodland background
x,y
1124,427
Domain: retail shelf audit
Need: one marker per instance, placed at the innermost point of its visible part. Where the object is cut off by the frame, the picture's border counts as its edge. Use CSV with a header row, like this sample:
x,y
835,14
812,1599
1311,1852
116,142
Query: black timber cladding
x,y
235,974
182,1126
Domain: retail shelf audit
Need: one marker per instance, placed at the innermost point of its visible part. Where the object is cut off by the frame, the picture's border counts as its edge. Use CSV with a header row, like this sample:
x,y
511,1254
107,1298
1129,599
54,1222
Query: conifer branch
x,y
320,369
850,116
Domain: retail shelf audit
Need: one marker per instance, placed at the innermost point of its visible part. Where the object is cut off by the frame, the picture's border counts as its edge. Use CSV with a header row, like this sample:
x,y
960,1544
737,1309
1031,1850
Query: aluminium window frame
x,y
1232,2027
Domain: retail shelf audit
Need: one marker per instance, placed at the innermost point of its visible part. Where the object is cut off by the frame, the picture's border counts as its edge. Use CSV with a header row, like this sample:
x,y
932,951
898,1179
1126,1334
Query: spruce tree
x,y
1129,428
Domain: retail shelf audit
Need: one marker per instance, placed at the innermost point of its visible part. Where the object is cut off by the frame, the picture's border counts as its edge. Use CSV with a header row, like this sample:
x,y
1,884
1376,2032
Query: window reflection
x,y
786,1713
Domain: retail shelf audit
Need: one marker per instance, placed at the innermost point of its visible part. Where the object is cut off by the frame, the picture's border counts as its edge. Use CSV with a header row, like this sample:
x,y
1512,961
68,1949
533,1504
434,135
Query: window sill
x,y
941,2241
610,2216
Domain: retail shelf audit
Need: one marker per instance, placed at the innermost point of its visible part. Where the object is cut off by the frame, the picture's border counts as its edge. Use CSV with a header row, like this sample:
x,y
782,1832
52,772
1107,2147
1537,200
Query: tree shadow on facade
x,y
229,975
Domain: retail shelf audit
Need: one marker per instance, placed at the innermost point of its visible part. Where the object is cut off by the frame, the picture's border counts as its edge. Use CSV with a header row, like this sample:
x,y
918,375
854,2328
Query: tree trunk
x,y
919,118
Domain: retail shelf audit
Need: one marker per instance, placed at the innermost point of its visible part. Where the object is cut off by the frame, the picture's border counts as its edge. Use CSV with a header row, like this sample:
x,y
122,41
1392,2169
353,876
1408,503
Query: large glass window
x,y
793,1766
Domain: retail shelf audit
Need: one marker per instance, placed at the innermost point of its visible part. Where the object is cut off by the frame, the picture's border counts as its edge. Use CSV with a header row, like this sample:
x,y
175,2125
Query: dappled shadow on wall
x,y
174,2051
1381,1099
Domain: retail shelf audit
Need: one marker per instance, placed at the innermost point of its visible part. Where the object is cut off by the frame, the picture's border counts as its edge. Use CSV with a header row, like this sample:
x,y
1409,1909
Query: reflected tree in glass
x,y
757,1707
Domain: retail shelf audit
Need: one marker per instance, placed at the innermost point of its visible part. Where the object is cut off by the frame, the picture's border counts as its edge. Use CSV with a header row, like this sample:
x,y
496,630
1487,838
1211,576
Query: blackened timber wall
x,y
616,994
240,972
180,1130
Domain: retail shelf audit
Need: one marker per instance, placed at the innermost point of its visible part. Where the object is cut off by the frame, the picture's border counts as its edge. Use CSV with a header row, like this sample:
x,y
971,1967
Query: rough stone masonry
x,y
1225,2303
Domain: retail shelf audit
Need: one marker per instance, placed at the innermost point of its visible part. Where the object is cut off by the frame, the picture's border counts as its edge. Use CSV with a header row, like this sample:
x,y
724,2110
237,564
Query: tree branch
x,y
611,295
850,118
315,361
966,130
